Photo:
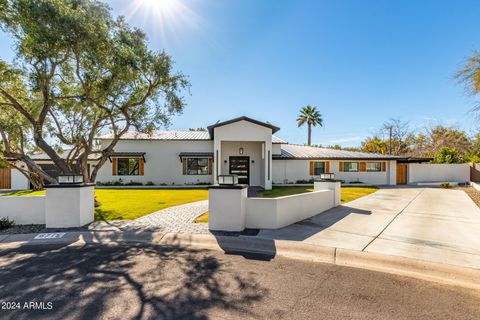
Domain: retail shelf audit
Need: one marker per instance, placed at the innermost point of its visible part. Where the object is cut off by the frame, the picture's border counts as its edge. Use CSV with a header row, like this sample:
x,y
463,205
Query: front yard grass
x,y
124,204
348,194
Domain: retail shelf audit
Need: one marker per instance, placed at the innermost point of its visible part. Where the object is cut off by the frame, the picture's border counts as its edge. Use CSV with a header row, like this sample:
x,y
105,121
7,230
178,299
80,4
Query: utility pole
x,y
390,140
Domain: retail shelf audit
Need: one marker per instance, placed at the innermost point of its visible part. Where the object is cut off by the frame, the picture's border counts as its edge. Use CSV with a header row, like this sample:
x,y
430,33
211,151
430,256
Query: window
x,y
128,166
318,168
350,166
197,166
374,166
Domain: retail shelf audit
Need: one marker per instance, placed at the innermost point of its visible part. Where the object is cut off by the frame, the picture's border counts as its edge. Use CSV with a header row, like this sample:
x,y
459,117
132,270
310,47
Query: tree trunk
x,y
309,134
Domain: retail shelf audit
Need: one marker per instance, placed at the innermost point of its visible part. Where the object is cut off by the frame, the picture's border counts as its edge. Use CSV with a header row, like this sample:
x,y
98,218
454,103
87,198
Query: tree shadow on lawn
x,y
127,282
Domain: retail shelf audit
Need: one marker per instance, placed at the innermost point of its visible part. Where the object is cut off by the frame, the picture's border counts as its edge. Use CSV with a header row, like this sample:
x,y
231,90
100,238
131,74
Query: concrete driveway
x,y
437,225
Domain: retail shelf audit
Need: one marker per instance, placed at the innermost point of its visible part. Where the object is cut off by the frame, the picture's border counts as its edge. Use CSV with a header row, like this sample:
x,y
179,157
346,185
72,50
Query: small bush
x,y
133,183
446,185
304,181
6,223
149,183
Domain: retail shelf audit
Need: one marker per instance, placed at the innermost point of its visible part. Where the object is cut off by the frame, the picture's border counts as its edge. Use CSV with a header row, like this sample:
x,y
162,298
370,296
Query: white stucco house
x,y
248,148
242,146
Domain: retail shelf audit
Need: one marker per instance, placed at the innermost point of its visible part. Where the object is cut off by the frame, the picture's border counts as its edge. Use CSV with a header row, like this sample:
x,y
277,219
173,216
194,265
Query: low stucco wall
x,y
23,210
434,172
274,213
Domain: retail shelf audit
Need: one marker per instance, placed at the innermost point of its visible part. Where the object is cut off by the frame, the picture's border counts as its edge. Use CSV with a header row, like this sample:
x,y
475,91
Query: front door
x,y
401,173
241,167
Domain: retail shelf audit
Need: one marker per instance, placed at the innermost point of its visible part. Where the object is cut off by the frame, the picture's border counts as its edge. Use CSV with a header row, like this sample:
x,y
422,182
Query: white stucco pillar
x,y
268,164
69,206
217,159
335,186
227,207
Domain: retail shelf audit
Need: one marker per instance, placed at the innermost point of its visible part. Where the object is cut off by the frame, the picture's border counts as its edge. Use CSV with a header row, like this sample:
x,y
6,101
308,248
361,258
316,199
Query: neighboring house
x,y
249,149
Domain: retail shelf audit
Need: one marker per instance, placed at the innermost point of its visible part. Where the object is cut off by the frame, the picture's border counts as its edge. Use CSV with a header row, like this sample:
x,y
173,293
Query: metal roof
x,y
172,135
290,151
195,154
62,155
161,135
260,123
277,140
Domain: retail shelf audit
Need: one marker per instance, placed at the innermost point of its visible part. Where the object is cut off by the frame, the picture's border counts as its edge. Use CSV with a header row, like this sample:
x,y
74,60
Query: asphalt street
x,y
159,282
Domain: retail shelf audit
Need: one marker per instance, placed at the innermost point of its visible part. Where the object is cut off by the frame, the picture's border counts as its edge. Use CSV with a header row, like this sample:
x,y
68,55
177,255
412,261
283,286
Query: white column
x,y
69,206
335,186
226,208
268,164
217,157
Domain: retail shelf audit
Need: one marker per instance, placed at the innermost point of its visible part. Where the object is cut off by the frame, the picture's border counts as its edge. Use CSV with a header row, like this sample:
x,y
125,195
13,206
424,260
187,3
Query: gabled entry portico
x,y
243,146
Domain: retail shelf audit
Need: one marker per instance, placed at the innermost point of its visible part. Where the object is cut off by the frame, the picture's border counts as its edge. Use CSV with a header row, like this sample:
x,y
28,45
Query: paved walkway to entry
x,y
432,224
174,219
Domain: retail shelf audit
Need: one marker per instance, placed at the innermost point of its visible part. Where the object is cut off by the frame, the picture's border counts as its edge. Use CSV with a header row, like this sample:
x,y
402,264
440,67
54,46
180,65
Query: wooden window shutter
x,y
312,171
184,163
340,166
142,165
384,166
210,160
327,166
363,167
114,166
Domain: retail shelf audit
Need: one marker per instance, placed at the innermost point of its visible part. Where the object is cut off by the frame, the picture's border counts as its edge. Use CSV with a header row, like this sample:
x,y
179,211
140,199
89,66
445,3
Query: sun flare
x,y
166,19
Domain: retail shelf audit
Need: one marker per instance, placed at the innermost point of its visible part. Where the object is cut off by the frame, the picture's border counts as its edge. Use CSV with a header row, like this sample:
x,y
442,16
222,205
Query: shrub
x,y
6,223
133,183
304,181
446,185
149,183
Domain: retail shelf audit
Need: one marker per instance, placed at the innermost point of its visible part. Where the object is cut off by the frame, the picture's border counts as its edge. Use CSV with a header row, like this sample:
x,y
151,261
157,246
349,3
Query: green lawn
x,y
348,193
119,204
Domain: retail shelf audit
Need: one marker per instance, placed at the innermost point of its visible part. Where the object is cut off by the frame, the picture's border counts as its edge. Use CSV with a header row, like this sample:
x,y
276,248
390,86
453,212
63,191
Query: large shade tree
x,y
310,116
77,72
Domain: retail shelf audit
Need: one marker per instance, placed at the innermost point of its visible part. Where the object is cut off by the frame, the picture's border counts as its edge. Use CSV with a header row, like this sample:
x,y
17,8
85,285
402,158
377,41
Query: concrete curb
x,y
419,269
414,268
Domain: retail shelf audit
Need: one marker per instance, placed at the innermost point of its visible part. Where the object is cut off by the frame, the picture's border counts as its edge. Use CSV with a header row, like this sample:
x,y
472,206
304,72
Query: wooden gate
x,y
5,178
401,173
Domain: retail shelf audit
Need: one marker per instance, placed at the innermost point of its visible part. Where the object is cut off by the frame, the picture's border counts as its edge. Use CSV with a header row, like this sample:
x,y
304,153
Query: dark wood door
x,y
5,178
241,167
401,173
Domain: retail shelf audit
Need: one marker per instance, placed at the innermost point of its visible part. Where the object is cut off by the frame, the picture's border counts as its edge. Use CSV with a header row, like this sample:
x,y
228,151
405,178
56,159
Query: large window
x,y
128,166
374,166
350,166
197,166
318,168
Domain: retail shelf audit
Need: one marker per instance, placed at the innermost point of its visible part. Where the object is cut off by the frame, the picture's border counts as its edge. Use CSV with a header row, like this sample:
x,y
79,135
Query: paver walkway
x,y
431,224
174,219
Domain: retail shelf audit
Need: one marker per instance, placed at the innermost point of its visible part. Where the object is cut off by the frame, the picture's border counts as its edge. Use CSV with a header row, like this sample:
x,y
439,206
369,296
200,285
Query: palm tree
x,y
312,117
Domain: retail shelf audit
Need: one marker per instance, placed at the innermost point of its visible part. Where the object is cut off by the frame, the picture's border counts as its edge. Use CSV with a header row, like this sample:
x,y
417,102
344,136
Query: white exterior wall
x,y
432,172
226,209
253,150
23,210
69,207
289,171
276,149
245,131
19,181
279,212
162,162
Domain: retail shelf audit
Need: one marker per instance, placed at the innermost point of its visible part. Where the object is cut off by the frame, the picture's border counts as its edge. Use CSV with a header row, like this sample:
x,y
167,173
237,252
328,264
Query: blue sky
x,y
359,62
